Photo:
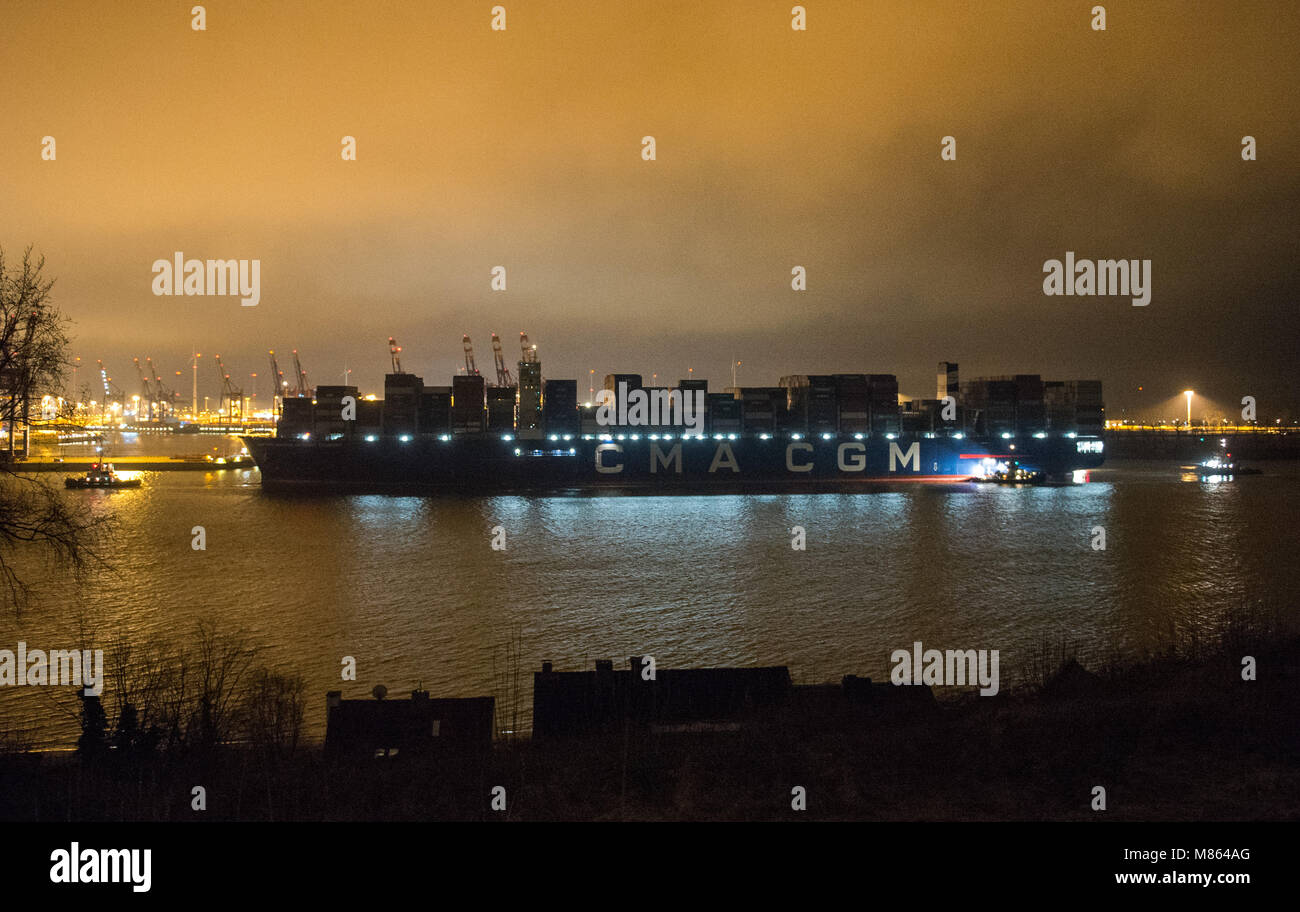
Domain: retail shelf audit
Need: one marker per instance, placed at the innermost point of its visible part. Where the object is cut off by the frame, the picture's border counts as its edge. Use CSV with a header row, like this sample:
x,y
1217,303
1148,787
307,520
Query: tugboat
x,y
1225,467
990,471
101,475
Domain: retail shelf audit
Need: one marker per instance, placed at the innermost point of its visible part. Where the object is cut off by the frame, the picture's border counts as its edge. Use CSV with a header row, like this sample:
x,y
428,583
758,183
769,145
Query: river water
x,y
411,588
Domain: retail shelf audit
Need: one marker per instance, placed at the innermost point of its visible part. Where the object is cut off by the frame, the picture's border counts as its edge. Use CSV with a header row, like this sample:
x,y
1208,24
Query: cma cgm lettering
x,y
810,432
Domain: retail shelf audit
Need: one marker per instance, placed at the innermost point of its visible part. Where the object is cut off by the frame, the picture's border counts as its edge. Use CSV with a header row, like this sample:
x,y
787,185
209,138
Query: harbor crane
x,y
504,377
166,398
395,354
231,397
470,367
529,351
279,385
146,391
302,388
111,391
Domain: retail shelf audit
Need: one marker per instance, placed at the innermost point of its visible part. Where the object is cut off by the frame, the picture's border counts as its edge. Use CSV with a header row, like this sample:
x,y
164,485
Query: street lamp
x,y
1188,394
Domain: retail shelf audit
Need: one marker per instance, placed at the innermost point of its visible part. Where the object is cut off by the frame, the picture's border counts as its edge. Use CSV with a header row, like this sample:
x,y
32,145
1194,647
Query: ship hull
x,y
640,463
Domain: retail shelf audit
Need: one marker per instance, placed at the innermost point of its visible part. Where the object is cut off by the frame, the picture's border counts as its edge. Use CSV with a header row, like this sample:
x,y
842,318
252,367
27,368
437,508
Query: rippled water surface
x,y
412,589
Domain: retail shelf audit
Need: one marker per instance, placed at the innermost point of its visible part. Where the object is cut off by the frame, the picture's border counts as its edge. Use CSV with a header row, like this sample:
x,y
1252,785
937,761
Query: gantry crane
x,y
395,355
302,387
232,397
278,383
504,377
111,390
165,397
146,391
470,367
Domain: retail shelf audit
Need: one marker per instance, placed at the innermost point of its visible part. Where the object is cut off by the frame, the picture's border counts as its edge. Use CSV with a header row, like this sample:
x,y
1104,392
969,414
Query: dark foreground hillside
x,y
1177,737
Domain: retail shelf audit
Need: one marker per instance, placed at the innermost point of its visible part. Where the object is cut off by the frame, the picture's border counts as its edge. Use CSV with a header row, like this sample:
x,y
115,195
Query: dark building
x,y
420,725
569,703
560,406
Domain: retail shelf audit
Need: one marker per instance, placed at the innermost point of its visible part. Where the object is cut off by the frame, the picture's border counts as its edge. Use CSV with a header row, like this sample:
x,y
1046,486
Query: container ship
x,y
810,432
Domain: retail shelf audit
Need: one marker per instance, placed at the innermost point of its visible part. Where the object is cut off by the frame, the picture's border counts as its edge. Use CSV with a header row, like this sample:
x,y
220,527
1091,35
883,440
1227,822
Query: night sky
x,y
775,148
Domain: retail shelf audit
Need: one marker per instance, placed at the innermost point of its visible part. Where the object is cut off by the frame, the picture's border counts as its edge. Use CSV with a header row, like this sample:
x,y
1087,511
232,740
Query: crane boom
x,y
504,377
395,355
166,398
470,367
301,386
278,383
111,390
164,395
234,398
146,390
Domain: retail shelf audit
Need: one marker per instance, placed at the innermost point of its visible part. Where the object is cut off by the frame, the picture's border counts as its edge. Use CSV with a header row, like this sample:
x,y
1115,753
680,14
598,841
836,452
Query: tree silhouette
x,y
33,346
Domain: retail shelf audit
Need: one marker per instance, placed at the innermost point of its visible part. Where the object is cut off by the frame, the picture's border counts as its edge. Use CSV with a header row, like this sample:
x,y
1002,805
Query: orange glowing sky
x,y
775,148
